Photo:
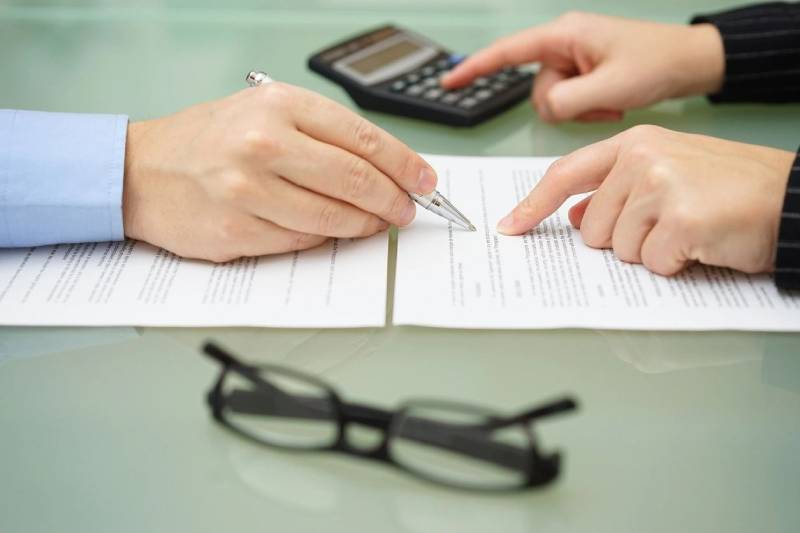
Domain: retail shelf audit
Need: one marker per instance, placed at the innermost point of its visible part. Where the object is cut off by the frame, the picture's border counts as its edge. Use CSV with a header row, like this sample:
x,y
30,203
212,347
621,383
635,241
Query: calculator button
x,y
430,82
499,86
481,82
450,98
442,64
468,103
484,94
412,78
433,94
428,71
415,90
398,86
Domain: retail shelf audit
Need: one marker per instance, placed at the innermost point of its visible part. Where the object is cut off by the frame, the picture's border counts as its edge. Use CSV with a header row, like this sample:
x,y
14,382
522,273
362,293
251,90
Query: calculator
x,y
397,71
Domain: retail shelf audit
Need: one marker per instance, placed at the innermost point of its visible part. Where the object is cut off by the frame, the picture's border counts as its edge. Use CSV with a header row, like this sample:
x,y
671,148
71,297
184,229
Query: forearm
x,y
61,177
787,264
762,52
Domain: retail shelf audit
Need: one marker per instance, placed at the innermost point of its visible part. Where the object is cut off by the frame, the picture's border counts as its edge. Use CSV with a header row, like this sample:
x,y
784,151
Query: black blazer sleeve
x,y
787,262
762,64
762,52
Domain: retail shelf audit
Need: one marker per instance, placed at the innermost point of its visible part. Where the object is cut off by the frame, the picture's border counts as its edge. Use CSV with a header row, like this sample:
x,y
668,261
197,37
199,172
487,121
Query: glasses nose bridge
x,y
365,430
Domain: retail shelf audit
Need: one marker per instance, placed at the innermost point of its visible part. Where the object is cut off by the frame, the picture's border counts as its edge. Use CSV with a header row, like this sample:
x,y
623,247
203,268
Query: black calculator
x,y
396,71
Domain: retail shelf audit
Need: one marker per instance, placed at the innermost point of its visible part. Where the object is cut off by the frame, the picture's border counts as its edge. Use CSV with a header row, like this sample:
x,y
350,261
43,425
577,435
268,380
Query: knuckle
x,y
277,94
221,256
236,187
685,219
655,264
642,151
500,43
398,205
592,235
589,237
230,229
407,164
644,131
329,218
682,220
573,16
301,241
658,177
557,166
367,139
259,143
626,253
359,180
526,207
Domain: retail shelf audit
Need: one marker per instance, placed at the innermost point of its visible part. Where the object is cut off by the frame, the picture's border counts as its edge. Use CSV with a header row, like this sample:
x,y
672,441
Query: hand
x,y
267,170
594,67
665,199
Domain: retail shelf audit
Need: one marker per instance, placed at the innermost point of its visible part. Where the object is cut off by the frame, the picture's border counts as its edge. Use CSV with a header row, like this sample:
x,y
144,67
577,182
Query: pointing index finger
x,y
523,47
581,171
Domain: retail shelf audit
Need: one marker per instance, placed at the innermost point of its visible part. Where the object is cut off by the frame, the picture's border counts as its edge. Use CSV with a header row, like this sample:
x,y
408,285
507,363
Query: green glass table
x,y
106,429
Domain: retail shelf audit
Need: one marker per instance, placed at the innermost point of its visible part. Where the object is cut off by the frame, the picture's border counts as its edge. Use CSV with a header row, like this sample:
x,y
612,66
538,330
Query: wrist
x,y
704,65
132,180
780,164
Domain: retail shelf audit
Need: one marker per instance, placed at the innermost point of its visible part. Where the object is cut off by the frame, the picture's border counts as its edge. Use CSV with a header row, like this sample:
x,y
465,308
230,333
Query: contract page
x,y
341,283
449,277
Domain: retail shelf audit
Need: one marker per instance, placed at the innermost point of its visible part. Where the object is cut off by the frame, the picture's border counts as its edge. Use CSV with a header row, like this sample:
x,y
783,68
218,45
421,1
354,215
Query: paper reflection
x,y
660,352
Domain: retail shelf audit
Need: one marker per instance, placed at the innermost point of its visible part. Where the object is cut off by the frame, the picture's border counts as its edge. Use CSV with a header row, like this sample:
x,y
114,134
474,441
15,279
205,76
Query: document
x,y
448,277
339,284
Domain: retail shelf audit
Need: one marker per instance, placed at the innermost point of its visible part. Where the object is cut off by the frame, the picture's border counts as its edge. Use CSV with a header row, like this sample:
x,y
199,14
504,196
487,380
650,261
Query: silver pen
x,y
434,202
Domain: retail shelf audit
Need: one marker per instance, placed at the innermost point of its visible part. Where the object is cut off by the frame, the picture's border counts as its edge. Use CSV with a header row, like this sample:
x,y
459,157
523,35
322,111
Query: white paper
x,y
339,284
448,277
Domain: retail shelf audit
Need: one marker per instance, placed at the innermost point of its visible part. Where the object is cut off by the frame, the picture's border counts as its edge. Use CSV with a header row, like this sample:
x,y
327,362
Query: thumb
x,y
598,90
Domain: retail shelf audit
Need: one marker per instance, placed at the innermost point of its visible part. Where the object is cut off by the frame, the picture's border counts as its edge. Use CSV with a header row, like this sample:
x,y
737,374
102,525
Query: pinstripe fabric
x,y
762,64
762,52
787,264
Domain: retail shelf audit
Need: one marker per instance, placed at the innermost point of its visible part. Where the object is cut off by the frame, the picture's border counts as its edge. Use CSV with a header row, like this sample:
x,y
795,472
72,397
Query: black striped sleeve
x,y
787,262
762,52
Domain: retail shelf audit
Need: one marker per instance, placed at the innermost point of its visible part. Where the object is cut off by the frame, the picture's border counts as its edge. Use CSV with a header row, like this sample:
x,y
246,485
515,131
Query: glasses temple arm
x,y
555,407
219,355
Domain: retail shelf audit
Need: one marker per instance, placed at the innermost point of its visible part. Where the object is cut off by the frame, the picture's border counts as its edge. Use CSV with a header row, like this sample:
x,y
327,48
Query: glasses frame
x,y
542,468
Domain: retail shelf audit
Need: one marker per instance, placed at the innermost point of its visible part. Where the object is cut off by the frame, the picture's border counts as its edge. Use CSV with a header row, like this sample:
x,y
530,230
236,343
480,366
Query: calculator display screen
x,y
371,63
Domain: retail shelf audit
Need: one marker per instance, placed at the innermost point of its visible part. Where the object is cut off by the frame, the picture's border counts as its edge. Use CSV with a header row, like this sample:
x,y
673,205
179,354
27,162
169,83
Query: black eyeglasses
x,y
448,443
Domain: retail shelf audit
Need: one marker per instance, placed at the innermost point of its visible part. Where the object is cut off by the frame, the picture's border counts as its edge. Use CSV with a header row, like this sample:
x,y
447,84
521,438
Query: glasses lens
x,y
280,409
459,446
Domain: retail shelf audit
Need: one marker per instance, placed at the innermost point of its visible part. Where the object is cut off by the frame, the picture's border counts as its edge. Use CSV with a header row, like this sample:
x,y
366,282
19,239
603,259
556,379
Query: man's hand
x,y
267,170
594,67
665,199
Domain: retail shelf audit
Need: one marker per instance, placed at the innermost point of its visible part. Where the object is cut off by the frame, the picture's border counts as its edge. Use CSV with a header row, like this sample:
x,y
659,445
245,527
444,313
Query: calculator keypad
x,y
424,83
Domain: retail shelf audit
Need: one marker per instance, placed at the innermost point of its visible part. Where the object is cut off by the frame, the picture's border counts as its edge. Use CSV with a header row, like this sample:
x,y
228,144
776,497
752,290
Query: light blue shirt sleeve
x,y
60,177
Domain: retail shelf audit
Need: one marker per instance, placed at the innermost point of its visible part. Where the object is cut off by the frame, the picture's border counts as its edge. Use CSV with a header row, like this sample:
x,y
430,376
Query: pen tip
x,y
472,228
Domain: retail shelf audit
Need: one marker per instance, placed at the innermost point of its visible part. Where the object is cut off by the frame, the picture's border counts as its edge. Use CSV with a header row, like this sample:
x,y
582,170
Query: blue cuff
x,y
60,177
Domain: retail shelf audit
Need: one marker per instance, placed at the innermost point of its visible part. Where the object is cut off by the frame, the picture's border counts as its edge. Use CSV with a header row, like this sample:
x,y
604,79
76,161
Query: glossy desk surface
x,y
106,429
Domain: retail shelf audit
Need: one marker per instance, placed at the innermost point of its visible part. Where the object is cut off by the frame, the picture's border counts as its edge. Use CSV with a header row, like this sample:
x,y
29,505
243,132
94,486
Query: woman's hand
x,y
666,199
594,67
267,170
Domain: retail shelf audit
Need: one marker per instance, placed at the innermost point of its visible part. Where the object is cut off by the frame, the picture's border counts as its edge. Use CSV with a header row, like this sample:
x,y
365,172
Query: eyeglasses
x,y
444,442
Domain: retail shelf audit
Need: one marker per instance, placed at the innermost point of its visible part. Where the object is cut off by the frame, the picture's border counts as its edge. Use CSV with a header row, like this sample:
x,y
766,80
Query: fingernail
x,y
505,224
408,214
427,181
